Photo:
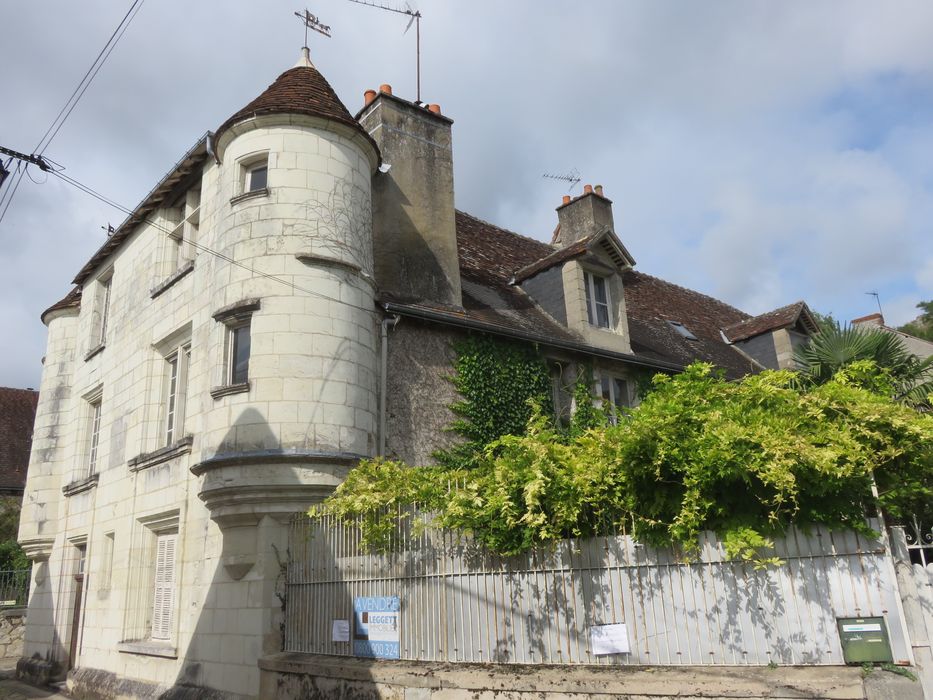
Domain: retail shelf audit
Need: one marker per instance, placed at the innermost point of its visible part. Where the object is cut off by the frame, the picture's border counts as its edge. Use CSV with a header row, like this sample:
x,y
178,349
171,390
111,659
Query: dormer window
x,y
682,329
597,300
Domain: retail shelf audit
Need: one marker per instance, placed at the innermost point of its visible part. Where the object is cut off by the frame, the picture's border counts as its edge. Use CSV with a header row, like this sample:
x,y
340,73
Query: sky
x,y
760,152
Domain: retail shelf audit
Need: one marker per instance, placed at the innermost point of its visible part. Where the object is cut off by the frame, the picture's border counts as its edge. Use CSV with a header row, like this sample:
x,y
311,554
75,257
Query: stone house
x,y
279,306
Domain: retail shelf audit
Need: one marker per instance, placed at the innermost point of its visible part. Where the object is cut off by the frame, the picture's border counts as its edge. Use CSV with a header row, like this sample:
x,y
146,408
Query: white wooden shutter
x,y
163,596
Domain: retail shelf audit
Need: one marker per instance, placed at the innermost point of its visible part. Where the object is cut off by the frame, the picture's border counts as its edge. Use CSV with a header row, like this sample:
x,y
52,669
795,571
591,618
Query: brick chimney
x,y
583,216
414,225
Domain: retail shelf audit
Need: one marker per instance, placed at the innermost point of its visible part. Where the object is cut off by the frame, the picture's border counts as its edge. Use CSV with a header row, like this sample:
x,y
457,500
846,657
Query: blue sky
x,y
761,152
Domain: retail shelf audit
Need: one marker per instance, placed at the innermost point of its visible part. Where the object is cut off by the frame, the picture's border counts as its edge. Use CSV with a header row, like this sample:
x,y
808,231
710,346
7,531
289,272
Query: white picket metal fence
x,y
460,603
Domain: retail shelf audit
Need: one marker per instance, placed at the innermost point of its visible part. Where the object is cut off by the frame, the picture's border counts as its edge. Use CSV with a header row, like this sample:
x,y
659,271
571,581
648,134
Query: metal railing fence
x,y
460,603
14,588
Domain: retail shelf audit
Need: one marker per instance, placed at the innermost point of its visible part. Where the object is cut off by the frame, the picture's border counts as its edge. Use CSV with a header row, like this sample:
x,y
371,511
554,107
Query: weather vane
x,y
573,177
416,18
312,22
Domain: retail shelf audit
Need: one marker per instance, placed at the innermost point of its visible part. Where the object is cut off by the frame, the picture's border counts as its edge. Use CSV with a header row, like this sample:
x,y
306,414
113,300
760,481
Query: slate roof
x,y
784,317
299,90
17,415
490,256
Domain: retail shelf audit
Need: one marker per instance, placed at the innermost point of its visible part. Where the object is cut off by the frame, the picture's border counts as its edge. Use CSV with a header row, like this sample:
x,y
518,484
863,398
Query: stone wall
x,y
12,628
310,677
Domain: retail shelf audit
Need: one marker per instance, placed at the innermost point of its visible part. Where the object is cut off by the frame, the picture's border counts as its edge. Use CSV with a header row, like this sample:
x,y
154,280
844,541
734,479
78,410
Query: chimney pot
x,y
368,97
587,189
599,190
566,199
386,88
434,108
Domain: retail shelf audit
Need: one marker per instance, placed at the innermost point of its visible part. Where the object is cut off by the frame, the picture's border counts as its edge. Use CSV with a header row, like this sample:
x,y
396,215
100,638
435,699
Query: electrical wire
x,y
20,170
89,76
7,198
200,246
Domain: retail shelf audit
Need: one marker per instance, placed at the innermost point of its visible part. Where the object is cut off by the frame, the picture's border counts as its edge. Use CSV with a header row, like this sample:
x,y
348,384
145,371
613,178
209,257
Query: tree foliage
x,y
922,326
11,554
742,458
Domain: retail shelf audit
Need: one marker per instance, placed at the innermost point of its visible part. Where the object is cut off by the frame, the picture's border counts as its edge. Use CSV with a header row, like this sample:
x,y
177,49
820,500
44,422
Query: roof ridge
x,y
800,303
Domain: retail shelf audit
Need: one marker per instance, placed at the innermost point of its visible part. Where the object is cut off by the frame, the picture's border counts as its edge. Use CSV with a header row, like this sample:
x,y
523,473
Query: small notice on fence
x,y
609,639
376,627
341,631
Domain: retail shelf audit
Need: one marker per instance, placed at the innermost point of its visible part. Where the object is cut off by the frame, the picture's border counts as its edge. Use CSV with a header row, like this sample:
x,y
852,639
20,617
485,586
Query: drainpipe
x,y
383,370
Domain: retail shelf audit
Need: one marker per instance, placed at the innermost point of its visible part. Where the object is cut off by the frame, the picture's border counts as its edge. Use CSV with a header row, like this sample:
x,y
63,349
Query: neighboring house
x,y
918,346
17,415
281,305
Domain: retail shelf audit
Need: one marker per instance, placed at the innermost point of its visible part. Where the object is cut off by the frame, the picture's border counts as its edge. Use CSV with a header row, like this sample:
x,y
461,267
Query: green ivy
x,y
498,380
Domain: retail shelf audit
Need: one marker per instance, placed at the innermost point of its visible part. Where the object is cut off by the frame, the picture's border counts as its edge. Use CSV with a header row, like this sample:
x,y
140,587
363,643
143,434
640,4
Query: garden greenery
x,y
744,459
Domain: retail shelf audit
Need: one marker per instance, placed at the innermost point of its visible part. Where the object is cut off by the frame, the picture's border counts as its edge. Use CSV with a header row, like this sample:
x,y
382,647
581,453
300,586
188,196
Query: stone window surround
x,y
163,454
232,316
244,168
598,377
90,443
150,527
589,283
180,273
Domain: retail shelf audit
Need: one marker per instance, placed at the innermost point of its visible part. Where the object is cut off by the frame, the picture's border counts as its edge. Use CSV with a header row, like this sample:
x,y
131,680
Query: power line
x,y
68,107
89,76
199,246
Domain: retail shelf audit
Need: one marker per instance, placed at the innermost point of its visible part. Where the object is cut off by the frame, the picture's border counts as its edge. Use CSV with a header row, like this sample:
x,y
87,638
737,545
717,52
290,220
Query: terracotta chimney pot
x,y
566,199
386,88
368,97
434,108
599,190
587,189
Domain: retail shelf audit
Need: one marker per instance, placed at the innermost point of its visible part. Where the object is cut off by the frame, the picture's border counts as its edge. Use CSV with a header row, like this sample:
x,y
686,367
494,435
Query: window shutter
x,y
163,598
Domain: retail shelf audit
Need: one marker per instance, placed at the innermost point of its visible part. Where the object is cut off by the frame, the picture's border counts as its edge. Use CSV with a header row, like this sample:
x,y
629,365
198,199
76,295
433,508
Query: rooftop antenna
x,y
312,22
573,177
416,18
109,229
877,299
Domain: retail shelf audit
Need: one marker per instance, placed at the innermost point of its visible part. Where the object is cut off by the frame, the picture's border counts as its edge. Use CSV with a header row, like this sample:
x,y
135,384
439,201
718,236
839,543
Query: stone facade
x,y
283,304
12,630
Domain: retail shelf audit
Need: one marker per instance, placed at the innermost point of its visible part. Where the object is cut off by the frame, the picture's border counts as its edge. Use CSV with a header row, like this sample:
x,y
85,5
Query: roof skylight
x,y
683,330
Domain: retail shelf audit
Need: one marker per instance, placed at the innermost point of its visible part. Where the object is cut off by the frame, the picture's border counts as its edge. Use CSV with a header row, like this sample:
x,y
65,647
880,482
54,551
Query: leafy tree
x,y
922,326
11,554
907,377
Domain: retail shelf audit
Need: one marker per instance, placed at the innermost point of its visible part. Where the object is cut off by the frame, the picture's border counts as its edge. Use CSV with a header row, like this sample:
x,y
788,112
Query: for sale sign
x,y
376,627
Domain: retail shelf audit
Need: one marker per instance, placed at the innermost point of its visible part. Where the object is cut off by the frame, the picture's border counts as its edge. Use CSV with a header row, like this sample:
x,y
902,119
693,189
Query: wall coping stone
x,y
228,459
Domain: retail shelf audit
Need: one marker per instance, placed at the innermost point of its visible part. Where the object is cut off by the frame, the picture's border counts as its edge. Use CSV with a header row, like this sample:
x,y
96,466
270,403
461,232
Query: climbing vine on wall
x,y
498,380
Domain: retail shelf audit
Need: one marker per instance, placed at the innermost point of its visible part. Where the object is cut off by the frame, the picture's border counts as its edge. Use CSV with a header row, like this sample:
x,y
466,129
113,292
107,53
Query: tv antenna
x,y
573,177
877,299
312,22
416,18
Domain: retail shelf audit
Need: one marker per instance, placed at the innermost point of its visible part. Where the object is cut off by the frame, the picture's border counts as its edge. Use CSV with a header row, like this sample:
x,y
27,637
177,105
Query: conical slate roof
x,y
299,90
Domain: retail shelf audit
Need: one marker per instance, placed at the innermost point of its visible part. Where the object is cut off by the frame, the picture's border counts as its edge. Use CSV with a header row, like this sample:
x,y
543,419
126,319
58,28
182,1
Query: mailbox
x,y
864,639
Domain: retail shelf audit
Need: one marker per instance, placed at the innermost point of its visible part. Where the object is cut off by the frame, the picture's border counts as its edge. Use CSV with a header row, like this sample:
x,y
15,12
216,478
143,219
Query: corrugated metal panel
x,y
460,603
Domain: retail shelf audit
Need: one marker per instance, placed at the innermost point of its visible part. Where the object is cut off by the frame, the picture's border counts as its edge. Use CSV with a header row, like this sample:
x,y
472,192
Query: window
x,y
597,300
94,411
256,177
615,396
176,381
163,586
237,343
682,329
103,308
238,346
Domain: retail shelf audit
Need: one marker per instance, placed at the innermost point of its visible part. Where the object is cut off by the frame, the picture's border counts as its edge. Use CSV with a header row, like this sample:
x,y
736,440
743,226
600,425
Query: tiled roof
x,y
783,317
72,300
299,90
490,256
555,258
17,415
